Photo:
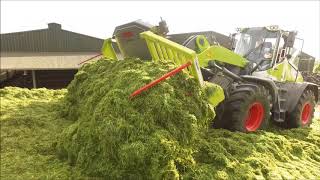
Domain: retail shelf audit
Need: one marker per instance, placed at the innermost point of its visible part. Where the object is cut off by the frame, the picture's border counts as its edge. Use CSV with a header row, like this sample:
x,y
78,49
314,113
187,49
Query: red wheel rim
x,y
255,116
306,113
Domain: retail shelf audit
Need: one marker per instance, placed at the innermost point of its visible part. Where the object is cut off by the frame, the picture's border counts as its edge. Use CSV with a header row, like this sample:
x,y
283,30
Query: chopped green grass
x,y
278,154
29,125
140,138
95,131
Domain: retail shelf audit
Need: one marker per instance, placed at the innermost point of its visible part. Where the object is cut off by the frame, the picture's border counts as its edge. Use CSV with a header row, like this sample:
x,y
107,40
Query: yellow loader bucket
x,y
161,48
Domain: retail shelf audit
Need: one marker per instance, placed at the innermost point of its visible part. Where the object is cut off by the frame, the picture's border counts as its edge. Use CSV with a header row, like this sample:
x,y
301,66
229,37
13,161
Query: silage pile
x,y
164,133
150,136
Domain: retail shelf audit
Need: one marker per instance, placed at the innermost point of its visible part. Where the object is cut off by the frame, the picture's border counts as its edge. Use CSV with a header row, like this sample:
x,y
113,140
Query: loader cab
x,y
270,47
269,44
258,43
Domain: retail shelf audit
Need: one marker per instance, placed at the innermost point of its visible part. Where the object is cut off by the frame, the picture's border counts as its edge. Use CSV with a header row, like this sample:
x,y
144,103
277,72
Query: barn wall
x,y
51,79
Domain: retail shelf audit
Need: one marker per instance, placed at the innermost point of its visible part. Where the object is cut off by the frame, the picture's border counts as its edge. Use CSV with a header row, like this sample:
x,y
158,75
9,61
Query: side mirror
x,y
290,39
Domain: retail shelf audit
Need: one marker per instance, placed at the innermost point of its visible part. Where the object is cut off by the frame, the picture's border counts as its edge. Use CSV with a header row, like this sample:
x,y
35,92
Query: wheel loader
x,y
257,81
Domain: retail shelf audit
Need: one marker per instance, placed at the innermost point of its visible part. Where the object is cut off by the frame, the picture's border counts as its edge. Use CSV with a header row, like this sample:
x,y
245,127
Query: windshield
x,y
254,43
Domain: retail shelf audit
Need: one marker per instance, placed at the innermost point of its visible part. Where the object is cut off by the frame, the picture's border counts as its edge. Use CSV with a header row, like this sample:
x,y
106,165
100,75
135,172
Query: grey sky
x,y
99,18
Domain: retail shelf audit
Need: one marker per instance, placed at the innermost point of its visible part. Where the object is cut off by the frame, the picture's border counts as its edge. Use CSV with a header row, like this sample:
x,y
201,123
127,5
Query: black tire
x,y
299,117
245,99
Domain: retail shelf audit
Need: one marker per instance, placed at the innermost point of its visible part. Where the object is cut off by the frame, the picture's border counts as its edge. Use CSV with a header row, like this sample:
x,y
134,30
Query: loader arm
x,y
221,54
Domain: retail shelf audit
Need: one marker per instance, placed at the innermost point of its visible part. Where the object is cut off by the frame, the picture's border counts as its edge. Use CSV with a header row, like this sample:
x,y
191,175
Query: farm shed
x,y
44,58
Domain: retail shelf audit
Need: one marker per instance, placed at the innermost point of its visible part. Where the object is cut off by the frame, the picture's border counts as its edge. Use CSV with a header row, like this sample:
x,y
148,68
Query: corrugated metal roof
x,y
45,61
53,39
